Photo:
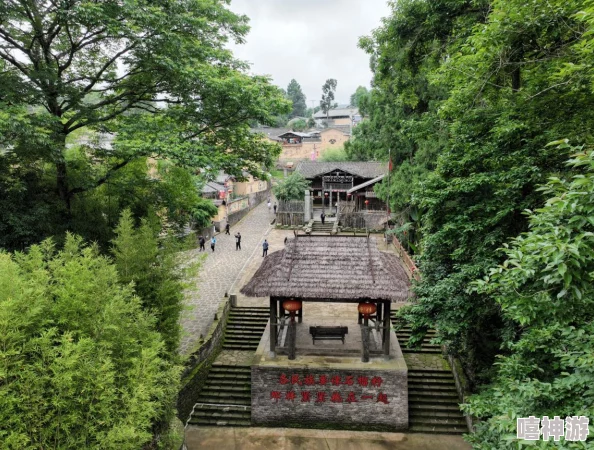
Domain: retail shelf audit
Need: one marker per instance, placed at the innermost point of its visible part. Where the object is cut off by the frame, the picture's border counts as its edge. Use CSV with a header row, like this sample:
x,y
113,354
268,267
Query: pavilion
x,y
345,271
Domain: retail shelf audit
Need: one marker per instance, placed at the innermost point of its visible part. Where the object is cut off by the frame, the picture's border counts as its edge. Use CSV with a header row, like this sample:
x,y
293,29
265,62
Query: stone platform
x,y
327,385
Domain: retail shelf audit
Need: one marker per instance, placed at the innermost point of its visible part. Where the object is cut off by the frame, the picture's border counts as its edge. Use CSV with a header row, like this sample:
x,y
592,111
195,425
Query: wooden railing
x,y
412,268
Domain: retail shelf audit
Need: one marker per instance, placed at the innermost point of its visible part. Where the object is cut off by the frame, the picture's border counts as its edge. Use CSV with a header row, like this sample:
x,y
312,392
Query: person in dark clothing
x,y
201,241
264,248
238,241
323,217
286,239
227,228
275,208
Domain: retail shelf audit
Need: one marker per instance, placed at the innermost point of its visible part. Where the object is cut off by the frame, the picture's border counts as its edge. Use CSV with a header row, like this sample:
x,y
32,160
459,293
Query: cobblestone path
x,y
219,273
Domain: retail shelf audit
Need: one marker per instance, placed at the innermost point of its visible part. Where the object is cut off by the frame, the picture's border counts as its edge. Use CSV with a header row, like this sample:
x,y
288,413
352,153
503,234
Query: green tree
x,y
298,125
327,102
291,188
82,363
335,155
544,287
358,96
298,98
108,67
153,269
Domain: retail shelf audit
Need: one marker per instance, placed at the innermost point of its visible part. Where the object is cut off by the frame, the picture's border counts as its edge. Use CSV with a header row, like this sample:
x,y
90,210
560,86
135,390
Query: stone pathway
x,y
220,271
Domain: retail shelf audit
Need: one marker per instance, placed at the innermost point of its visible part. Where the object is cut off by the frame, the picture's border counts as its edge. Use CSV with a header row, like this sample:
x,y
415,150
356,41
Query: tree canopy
x,y
328,90
358,96
466,96
298,98
291,188
121,82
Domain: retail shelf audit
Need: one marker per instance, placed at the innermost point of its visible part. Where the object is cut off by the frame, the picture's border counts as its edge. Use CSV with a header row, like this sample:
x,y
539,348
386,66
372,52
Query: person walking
x,y
202,241
238,241
213,242
269,205
323,217
275,208
227,228
264,248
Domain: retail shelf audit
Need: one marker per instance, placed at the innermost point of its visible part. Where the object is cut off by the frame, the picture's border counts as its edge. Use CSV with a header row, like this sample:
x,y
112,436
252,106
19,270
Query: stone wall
x,y
199,362
367,399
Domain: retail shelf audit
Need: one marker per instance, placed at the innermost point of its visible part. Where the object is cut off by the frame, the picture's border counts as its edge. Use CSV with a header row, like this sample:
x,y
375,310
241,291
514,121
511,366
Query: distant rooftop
x,y
338,112
312,169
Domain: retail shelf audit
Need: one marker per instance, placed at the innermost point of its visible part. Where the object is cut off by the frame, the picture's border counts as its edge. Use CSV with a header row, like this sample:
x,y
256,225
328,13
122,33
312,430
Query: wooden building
x,y
335,182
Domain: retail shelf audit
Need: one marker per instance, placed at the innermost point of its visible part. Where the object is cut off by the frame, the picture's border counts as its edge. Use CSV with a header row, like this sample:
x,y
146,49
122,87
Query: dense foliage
x,y
90,89
545,287
466,96
291,188
83,365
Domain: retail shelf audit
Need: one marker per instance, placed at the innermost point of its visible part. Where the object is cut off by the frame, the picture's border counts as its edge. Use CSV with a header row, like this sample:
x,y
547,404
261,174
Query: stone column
x,y
273,327
308,213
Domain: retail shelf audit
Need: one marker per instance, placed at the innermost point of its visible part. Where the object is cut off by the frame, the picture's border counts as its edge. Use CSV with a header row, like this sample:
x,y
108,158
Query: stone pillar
x,y
387,330
308,213
273,326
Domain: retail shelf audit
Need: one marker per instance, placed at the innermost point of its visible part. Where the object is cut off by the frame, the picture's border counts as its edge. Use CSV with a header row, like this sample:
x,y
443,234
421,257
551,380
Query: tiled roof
x,y
338,112
367,183
311,169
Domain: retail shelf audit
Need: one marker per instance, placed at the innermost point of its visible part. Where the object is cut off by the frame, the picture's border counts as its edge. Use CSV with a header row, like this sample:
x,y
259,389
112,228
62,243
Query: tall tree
x,y
298,98
360,93
327,102
108,66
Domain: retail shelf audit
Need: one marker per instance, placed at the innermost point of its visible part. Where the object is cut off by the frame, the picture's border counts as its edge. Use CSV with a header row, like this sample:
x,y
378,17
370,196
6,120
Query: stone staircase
x,y
245,327
225,399
404,332
433,402
319,228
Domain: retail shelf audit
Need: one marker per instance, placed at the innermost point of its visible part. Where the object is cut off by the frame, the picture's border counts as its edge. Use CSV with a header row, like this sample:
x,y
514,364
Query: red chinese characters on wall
x,y
313,395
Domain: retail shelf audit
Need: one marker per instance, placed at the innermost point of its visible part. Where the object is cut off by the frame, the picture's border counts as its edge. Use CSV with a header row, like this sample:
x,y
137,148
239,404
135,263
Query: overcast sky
x,y
311,41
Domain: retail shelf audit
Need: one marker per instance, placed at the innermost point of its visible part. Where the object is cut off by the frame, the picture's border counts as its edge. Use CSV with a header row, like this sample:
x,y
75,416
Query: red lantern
x,y
367,202
292,306
367,309
326,194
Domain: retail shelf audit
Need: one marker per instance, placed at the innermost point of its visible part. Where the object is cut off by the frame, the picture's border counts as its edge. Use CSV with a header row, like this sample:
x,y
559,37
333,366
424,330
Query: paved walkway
x,y
227,438
219,272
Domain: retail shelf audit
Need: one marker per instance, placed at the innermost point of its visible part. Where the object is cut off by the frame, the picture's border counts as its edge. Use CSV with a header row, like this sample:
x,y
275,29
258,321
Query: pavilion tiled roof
x,y
330,267
312,169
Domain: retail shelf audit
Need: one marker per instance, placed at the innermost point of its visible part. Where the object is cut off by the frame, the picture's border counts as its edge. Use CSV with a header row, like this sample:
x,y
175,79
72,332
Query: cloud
x,y
311,41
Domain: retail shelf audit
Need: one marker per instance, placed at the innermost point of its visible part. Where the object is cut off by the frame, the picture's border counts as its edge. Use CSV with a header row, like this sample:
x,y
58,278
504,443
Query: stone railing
x,y
200,360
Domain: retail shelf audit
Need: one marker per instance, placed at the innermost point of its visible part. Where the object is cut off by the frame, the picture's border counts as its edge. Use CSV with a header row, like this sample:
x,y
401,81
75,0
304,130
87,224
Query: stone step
x,y
431,372
241,339
413,380
226,367
215,407
422,415
432,391
437,429
250,348
221,423
442,421
414,386
228,386
238,330
249,315
444,407
217,415
247,323
415,398
249,308
233,378
224,399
